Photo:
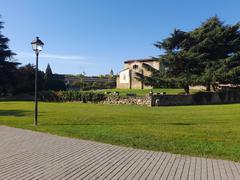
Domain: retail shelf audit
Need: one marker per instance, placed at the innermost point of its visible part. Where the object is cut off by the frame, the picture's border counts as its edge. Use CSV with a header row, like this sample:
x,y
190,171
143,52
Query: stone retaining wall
x,y
143,101
196,99
224,97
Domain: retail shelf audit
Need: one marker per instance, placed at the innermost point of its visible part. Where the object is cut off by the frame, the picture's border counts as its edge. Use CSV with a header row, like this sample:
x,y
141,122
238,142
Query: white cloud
x,y
66,58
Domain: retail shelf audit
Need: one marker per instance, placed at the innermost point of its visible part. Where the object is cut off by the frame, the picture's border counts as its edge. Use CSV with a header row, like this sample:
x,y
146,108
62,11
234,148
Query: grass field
x,y
210,131
143,92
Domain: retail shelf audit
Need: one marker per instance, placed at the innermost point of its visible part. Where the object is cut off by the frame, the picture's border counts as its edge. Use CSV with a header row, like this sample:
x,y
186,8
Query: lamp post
x,y
37,46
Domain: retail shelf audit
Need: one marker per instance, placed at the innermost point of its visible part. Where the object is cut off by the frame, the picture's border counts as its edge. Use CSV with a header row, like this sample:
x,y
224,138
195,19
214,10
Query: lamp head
x,y
37,45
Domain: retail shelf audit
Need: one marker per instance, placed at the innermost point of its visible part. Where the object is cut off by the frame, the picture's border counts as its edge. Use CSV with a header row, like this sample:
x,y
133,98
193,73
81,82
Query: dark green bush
x,y
55,85
50,96
98,97
63,96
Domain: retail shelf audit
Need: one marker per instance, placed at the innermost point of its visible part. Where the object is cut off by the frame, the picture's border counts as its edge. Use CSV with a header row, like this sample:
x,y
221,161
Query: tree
x,y
177,63
52,83
80,84
217,47
94,85
26,79
55,85
203,56
48,73
8,67
111,73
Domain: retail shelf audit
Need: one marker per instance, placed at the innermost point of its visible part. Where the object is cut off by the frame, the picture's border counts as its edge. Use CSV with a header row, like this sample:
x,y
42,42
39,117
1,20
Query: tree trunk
x,y
208,87
186,89
214,87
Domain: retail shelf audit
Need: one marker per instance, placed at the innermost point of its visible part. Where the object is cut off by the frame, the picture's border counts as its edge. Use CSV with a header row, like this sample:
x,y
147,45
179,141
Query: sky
x,y
95,36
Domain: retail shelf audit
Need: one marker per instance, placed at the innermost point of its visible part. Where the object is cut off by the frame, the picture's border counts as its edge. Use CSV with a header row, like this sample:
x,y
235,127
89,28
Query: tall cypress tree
x,y
8,66
48,73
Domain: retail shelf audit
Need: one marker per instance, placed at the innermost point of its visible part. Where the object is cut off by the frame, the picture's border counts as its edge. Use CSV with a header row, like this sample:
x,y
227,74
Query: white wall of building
x,y
124,76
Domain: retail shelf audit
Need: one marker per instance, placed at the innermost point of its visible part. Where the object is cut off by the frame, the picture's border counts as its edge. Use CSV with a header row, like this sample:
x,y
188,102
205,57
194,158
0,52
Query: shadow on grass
x,y
116,124
17,113
181,124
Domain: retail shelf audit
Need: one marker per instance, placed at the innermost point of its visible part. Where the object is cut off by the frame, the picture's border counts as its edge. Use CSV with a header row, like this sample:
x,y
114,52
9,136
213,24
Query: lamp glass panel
x,y
34,47
39,47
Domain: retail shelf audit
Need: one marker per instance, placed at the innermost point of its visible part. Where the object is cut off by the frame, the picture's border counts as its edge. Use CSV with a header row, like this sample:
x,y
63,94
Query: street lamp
x,y
37,46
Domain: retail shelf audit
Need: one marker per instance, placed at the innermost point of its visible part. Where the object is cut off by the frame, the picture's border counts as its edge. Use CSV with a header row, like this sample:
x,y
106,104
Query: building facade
x,y
70,80
127,78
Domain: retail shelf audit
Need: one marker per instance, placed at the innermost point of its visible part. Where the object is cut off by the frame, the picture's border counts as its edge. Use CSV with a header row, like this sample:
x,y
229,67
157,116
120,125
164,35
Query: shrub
x,y
55,85
63,96
49,96
98,97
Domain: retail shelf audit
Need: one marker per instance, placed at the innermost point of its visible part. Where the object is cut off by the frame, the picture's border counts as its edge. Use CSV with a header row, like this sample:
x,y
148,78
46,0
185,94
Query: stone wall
x,y
203,98
143,101
224,97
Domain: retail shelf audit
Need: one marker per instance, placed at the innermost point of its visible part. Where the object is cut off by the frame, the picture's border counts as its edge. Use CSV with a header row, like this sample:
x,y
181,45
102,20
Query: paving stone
x,y
25,154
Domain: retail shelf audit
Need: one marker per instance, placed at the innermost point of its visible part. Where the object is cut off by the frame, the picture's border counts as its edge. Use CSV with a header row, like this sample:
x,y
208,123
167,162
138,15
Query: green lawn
x,y
210,131
143,92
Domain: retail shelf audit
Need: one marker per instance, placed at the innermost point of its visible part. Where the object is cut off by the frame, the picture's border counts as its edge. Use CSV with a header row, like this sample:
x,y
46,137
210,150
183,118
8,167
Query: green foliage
x,y
157,79
48,73
52,83
203,56
109,85
26,79
50,96
65,96
144,92
111,73
93,85
8,67
55,85
216,44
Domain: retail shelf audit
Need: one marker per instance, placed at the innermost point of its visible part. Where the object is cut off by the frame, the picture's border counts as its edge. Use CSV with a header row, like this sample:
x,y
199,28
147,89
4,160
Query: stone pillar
x,y
130,79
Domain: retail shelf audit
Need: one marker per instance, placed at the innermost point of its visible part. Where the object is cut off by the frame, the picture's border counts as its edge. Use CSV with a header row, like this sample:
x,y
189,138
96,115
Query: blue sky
x,y
96,35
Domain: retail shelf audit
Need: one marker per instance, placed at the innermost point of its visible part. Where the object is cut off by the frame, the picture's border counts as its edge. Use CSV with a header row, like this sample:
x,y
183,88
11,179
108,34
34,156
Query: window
x,y
135,66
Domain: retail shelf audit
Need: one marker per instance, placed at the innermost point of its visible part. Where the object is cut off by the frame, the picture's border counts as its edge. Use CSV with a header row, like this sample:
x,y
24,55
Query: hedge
x,y
63,96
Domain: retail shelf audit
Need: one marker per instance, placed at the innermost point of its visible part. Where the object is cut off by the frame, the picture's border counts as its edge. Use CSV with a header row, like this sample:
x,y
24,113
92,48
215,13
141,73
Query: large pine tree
x,y
8,66
217,47
178,67
204,56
